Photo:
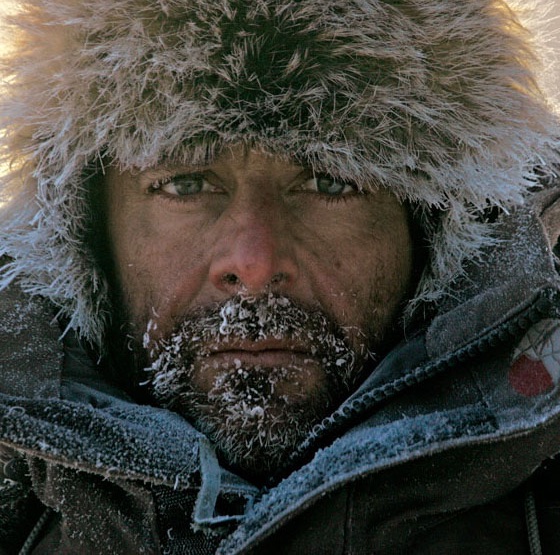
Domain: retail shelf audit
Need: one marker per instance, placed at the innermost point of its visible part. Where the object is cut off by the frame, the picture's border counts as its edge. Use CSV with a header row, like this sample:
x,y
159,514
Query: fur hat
x,y
434,99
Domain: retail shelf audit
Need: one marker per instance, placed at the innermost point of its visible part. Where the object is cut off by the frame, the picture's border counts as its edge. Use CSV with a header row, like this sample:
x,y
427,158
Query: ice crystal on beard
x,y
242,412
247,317
249,424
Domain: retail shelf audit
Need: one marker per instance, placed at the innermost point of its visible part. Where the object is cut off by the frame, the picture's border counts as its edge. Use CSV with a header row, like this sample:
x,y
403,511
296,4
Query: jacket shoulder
x,y
30,347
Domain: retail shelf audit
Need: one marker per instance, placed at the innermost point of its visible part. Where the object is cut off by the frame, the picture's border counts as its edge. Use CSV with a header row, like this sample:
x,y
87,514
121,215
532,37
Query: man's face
x,y
255,292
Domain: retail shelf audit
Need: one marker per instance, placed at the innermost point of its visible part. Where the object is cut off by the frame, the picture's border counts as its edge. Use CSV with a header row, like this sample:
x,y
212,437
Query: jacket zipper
x,y
544,305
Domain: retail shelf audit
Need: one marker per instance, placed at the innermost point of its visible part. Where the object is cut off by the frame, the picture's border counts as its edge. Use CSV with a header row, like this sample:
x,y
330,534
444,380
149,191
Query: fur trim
x,y
435,99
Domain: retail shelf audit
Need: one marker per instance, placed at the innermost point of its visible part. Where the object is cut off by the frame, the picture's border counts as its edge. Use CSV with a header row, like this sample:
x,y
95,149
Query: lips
x,y
268,344
294,367
266,352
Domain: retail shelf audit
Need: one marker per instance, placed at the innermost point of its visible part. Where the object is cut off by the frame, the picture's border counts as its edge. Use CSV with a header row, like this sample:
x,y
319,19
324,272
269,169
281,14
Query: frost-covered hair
x,y
434,99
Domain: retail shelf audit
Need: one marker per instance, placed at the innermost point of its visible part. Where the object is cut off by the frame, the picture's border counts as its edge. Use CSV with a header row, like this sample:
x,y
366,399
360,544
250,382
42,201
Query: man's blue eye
x,y
183,185
331,186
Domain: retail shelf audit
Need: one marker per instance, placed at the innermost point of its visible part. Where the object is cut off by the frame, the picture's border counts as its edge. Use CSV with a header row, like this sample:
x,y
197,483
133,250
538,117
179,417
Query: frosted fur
x,y
435,99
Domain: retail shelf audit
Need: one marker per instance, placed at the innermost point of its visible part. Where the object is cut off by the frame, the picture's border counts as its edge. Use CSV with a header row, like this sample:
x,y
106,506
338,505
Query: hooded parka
x,y
449,445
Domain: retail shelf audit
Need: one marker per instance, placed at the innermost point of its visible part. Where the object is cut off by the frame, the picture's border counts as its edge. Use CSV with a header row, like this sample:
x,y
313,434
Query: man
x,y
278,278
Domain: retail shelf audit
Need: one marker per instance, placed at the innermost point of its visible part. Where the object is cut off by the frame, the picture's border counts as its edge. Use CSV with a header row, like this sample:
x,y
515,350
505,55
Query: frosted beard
x,y
254,413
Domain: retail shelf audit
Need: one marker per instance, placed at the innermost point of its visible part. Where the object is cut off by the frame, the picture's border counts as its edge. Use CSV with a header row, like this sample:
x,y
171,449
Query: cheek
x,y
361,262
153,256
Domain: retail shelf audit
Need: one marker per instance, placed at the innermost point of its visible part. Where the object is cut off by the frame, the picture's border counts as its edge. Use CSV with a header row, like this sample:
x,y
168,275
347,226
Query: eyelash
x,y
159,184
331,199
156,188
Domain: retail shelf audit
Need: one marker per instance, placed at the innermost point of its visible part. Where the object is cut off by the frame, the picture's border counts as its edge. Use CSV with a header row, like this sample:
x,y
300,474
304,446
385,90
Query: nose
x,y
254,253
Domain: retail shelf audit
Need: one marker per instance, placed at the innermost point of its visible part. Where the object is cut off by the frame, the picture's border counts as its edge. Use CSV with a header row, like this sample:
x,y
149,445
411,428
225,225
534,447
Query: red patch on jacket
x,y
535,367
530,377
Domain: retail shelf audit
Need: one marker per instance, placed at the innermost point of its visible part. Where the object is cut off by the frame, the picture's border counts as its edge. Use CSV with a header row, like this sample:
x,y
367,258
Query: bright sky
x,y
5,6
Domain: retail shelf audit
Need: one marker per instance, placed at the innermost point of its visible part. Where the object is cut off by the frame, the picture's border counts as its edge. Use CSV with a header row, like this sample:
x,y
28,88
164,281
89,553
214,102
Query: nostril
x,y
230,279
278,278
